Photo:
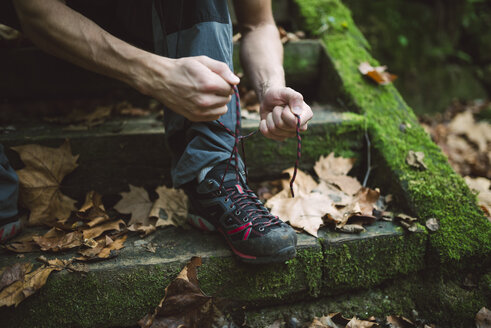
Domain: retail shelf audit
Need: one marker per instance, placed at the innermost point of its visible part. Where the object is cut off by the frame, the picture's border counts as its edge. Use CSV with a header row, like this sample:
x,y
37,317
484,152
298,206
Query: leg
x,y
9,190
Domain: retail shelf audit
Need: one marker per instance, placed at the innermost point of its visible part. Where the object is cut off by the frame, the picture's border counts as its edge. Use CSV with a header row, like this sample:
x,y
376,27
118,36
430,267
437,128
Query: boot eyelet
x,y
226,199
246,219
229,220
261,229
210,182
237,212
219,192
231,206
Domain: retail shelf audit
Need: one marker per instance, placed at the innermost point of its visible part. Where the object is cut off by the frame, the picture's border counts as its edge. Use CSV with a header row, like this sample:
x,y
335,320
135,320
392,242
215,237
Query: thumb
x,y
219,68
294,99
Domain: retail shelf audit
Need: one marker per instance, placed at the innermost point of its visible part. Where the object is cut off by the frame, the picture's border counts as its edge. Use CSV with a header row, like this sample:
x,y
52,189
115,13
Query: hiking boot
x,y
9,228
252,232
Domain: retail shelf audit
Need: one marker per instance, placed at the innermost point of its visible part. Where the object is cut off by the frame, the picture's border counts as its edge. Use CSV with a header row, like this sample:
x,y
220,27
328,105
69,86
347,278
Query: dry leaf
x,y
338,197
13,273
332,165
483,318
41,178
184,304
137,203
84,117
432,224
171,208
415,159
377,74
357,323
400,322
92,210
25,246
21,289
103,249
305,211
334,170
351,228
100,229
323,322
304,183
56,240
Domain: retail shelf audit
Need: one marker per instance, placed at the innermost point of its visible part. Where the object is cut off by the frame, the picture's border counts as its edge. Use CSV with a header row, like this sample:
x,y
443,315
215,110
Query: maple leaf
x,y
184,304
377,74
137,203
333,170
170,208
40,181
104,249
305,211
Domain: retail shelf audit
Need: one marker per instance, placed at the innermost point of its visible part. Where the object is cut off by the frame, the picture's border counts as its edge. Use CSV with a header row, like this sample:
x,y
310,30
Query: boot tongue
x,y
230,177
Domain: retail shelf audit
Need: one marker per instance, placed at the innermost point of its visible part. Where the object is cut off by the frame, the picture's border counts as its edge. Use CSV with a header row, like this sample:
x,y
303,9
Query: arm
x,y
195,87
262,57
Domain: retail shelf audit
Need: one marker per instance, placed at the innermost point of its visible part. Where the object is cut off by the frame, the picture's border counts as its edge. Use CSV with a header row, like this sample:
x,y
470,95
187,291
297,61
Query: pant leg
x,y
9,188
195,146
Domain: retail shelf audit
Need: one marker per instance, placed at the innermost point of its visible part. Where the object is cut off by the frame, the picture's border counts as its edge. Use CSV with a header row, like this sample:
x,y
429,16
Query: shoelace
x,y
234,155
250,203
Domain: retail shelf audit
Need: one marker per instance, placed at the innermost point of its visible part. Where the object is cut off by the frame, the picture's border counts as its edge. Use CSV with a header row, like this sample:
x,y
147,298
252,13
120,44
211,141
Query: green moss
x,y
95,299
299,277
343,137
465,234
367,262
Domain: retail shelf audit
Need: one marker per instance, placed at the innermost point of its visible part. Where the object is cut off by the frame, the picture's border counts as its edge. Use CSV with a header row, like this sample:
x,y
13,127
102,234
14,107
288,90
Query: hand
x,y
277,108
198,88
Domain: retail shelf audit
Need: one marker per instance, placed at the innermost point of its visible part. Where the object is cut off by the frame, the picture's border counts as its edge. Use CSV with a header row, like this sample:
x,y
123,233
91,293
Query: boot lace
x,y
247,200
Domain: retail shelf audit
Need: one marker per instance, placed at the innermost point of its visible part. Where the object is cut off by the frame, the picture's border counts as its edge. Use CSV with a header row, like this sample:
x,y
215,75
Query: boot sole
x,y
282,255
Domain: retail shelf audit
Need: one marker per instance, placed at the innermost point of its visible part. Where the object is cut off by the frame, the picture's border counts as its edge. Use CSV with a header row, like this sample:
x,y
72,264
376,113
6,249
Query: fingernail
x,y
234,78
297,110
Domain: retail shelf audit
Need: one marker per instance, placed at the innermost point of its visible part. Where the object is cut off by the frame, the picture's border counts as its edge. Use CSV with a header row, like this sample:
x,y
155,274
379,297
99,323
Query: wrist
x,y
265,86
146,71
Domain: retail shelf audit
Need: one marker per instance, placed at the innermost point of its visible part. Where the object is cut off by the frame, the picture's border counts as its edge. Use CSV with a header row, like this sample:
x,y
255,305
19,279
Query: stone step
x,y
126,151
121,290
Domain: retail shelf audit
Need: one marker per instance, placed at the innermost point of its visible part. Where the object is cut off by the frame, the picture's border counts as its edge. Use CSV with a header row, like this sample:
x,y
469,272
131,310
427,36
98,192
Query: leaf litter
x,y
338,200
467,144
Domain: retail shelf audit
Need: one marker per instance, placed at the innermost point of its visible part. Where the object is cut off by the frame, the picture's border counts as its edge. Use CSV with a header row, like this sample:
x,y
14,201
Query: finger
x,y
211,101
278,121
214,84
219,68
274,130
263,127
207,115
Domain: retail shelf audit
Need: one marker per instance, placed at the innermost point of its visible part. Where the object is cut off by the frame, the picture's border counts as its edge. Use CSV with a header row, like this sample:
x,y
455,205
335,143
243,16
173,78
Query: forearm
x,y
61,31
261,54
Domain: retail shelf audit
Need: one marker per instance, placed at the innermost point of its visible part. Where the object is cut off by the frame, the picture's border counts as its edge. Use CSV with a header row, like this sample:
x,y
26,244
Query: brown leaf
x,y
184,304
21,289
100,229
83,116
56,240
322,322
415,159
104,249
332,165
304,183
338,197
137,203
432,224
377,74
92,210
40,181
171,208
305,211
351,228
357,323
13,273
334,170
483,318
26,246
400,322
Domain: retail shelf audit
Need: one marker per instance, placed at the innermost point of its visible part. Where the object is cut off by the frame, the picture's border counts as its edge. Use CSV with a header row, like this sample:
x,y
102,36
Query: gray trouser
x,y
9,188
